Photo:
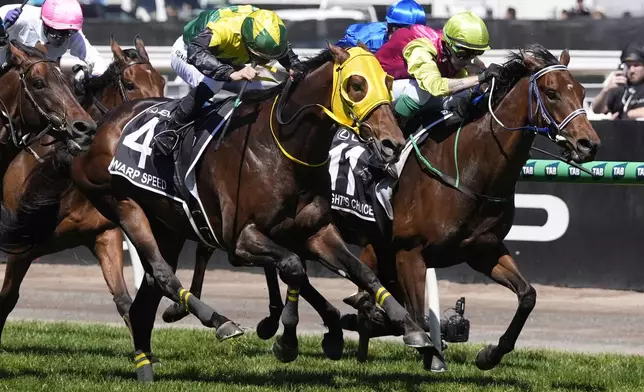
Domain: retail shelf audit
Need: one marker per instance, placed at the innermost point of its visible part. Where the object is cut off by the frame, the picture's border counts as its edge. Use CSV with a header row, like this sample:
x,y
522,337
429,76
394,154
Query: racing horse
x,y
459,208
438,224
129,76
266,206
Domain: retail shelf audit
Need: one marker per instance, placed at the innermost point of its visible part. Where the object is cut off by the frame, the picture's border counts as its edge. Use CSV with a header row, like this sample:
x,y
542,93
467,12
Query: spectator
x,y
564,15
511,14
627,14
623,92
580,10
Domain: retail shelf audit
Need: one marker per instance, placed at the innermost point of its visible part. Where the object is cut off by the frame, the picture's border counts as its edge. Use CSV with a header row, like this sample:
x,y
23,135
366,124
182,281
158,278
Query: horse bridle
x,y
121,87
53,122
553,129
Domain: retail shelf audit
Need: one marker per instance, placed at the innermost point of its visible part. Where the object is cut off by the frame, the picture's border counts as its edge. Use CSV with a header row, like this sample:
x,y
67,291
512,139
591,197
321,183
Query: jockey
x,y
57,25
403,13
220,44
426,63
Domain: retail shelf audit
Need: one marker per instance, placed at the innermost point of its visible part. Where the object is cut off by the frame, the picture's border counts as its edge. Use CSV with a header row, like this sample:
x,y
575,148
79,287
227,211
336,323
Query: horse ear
x,y
339,55
138,44
363,46
117,51
42,48
564,57
17,55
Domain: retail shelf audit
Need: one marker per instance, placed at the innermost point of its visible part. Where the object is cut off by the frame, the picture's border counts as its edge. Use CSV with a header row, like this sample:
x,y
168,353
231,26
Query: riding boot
x,y
185,112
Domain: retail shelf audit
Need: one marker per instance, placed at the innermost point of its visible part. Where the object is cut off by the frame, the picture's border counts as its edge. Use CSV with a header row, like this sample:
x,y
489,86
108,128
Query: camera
x,y
456,328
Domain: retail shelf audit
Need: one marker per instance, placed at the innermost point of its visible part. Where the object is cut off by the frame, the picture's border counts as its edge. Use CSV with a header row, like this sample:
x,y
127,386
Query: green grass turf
x,y
61,357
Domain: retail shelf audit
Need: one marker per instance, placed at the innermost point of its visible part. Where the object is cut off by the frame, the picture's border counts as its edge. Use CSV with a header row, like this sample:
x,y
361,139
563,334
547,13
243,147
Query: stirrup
x,y
159,144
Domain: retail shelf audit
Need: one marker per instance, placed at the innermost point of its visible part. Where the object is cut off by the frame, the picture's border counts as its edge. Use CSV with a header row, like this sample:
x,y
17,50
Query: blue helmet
x,y
406,12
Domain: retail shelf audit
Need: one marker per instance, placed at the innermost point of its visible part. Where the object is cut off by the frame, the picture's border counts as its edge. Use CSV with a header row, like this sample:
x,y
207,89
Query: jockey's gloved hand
x,y
297,72
492,71
11,17
81,75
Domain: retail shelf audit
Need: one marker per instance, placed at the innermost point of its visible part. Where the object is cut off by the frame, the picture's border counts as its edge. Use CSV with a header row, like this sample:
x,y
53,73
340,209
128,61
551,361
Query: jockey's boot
x,y
165,142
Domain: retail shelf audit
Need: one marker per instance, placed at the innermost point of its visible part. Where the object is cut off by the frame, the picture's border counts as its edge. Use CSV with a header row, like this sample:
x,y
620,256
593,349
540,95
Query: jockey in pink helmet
x,y
57,25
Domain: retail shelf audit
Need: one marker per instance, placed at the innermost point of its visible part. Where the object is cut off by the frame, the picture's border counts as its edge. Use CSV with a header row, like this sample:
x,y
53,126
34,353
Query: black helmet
x,y
632,52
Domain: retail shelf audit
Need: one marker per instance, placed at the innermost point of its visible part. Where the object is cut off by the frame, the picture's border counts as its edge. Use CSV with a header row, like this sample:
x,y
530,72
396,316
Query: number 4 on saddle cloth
x,y
170,176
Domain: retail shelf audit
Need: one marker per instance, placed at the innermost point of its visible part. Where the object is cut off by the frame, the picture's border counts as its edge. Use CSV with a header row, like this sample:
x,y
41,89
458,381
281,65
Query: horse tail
x,y
36,217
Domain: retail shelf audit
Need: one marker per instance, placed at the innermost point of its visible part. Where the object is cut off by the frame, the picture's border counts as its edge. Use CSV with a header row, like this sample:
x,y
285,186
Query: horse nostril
x,y
84,127
587,145
390,148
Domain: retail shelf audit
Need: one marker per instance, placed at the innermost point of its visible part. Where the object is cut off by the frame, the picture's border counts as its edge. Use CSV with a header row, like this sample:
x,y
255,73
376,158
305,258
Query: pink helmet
x,y
62,14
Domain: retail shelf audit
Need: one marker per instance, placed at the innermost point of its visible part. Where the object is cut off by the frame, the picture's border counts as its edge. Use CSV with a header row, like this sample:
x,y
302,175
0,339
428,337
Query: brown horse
x,y
129,76
35,101
275,211
437,226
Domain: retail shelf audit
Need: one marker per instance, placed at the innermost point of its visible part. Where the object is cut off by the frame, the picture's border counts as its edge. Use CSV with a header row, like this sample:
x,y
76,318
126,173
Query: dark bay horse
x,y
129,76
276,211
437,226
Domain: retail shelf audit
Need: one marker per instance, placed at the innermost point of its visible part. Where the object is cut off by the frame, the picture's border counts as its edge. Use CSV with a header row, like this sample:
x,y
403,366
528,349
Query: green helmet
x,y
466,30
264,34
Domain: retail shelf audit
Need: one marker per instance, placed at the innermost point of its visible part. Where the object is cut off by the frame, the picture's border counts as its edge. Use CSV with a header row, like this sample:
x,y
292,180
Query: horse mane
x,y
306,67
514,68
29,51
112,73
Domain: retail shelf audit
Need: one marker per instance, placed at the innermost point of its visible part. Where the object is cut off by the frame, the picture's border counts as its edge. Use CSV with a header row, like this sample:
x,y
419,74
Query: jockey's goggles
x,y
464,53
58,34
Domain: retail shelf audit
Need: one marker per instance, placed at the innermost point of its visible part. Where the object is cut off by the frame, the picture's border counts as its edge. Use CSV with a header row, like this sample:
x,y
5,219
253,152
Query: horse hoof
x,y
267,328
174,312
228,330
434,363
417,339
486,358
144,372
333,345
284,353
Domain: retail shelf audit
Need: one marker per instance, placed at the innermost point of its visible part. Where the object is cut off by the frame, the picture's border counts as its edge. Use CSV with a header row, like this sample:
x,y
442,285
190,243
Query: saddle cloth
x,y
171,176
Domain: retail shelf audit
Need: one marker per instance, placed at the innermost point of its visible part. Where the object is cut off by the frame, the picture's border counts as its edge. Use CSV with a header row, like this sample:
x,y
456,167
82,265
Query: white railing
x,y
583,62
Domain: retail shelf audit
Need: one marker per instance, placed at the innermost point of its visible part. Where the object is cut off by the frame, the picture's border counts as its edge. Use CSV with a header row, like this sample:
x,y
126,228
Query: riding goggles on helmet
x,y
464,53
54,35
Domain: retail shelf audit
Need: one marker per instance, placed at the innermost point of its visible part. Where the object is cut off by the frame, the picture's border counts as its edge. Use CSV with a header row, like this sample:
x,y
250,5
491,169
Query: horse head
x,y
45,103
361,100
556,103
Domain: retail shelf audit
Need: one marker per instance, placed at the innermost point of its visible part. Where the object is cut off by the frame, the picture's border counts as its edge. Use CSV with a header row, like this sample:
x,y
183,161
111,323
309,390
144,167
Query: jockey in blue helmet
x,y
401,14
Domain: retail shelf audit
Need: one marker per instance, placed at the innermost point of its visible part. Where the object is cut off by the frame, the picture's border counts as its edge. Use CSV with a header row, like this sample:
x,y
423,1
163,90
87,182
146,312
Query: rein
x,y
53,122
552,128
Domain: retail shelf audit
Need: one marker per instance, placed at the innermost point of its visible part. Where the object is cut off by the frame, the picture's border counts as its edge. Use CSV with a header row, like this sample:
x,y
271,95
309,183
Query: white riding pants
x,y
192,76
410,88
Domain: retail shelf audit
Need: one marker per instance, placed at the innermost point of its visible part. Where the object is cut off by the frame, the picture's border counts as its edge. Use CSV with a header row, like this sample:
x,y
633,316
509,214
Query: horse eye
x,y
356,86
551,94
129,85
38,84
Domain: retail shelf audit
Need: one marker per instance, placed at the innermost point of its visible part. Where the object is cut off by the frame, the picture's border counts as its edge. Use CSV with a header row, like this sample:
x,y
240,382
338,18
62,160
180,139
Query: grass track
x,y
79,357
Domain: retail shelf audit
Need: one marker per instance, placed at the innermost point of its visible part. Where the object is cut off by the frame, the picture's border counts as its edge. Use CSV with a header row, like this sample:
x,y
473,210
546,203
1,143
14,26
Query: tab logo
x,y
528,169
551,170
574,172
639,173
619,171
598,171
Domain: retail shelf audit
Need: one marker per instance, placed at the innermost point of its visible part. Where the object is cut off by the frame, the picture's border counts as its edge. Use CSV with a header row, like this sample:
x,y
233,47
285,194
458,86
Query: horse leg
x,y
254,247
176,312
331,250
267,328
137,227
17,266
411,271
108,249
501,268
